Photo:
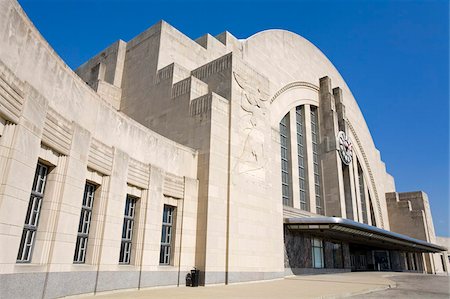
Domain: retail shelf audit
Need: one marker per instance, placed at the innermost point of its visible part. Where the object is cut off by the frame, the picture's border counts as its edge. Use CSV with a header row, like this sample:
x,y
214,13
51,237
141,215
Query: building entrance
x,y
381,260
361,258
364,258
353,246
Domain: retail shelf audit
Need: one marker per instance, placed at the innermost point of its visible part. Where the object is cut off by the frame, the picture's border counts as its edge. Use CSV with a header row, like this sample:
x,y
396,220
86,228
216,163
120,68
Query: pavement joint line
x,y
334,281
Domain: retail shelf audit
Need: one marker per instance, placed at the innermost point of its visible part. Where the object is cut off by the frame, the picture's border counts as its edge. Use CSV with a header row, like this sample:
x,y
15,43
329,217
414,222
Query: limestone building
x,y
247,159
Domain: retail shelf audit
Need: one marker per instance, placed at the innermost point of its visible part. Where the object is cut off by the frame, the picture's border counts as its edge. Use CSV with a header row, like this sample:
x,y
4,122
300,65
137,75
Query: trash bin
x,y
195,273
188,280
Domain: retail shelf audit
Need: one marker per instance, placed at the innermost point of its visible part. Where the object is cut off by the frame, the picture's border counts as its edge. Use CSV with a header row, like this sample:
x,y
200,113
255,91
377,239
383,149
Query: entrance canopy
x,y
354,232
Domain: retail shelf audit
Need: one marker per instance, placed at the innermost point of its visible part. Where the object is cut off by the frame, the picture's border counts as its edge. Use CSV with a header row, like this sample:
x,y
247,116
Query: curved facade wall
x,y
50,116
162,153
288,60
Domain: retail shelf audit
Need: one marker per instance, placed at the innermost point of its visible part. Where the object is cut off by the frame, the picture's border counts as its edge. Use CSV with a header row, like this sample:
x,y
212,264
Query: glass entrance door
x,y
382,260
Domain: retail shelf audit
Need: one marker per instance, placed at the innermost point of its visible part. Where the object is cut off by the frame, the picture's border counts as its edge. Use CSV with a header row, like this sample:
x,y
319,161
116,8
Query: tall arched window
x,y
362,194
315,154
285,157
372,213
300,159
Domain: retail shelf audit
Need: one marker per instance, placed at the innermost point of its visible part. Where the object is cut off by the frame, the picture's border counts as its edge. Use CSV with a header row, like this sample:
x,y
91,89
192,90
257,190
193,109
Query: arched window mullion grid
x,y
302,174
285,157
316,161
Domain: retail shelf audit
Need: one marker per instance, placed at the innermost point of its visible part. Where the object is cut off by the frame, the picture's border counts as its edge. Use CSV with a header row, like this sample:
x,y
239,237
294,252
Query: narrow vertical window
x,y
32,216
317,253
166,235
372,213
285,155
127,230
362,194
347,192
315,154
301,157
84,224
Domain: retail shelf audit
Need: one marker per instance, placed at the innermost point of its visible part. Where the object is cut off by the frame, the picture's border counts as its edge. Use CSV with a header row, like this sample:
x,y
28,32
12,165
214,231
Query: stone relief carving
x,y
251,113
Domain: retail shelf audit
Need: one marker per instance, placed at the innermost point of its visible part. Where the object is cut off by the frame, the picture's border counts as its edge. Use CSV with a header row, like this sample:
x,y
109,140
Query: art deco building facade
x,y
247,159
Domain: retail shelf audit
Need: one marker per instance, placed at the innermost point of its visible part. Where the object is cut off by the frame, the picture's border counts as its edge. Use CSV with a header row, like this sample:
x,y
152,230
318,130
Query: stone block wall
x,y
50,115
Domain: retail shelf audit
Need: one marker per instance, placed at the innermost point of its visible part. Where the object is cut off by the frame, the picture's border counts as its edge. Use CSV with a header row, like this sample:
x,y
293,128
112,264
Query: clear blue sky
x,y
394,55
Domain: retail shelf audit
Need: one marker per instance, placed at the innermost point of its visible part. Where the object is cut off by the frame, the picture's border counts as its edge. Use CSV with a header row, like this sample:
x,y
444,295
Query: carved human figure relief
x,y
252,111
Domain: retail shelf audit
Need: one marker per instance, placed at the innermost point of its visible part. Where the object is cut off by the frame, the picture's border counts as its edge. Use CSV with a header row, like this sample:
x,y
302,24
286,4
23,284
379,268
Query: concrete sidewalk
x,y
305,286
414,287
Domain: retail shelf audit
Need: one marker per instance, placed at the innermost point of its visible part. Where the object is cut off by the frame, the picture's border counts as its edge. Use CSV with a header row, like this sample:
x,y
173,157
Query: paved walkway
x,y
305,286
414,286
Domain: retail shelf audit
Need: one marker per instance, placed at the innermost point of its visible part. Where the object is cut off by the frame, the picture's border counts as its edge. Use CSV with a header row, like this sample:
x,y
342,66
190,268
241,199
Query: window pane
x,y
29,244
40,178
362,194
122,252
22,246
318,258
32,214
166,234
84,223
127,230
317,252
285,149
316,169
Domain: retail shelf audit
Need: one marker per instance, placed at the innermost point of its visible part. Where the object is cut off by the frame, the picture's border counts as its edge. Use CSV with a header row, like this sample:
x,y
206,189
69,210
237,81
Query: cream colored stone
x,y
170,120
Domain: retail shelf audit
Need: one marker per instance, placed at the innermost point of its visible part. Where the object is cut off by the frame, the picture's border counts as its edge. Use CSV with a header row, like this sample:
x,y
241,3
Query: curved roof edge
x,y
324,58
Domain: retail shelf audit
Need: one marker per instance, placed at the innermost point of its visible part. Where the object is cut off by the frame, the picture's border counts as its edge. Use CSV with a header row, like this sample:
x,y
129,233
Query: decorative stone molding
x,y
294,85
181,87
57,133
173,186
49,155
200,105
164,73
11,95
100,157
138,174
213,67
369,171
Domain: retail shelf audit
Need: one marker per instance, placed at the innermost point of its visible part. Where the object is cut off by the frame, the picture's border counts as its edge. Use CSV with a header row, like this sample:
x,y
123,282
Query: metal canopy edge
x,y
353,227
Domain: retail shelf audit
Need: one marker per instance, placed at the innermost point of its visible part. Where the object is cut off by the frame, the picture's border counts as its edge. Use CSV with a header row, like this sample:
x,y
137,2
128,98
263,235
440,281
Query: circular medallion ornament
x,y
345,148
